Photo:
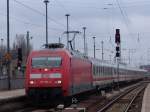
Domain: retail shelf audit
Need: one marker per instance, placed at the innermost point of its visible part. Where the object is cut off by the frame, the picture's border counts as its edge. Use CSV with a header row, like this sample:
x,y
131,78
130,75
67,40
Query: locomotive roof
x,y
71,53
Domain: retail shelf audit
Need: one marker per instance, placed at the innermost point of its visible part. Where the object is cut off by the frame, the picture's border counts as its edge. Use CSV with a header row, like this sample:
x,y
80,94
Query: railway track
x,y
123,102
91,104
95,102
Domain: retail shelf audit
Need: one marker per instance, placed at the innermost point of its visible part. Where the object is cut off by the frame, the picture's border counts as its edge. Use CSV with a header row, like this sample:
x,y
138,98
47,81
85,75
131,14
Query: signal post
x,y
118,51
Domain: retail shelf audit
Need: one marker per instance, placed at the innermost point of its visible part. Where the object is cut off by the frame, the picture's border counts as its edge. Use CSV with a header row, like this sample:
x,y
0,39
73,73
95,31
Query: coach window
x,y
120,73
108,71
93,70
111,71
101,71
105,71
97,71
115,71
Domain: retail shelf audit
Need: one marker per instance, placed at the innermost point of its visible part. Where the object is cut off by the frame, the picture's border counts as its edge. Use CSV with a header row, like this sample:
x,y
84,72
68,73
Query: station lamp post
x,y
85,43
102,42
8,46
46,3
94,46
67,15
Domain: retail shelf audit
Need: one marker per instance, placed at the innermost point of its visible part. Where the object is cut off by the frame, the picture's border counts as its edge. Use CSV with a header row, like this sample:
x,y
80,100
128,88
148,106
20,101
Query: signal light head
x,y
117,48
117,36
117,31
117,54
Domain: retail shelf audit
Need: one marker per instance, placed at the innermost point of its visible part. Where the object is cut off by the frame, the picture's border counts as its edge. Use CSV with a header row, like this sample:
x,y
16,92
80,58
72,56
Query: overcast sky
x,y
101,17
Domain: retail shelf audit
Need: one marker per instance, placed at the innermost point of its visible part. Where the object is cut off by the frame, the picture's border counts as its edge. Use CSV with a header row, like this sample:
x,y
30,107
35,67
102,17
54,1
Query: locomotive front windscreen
x,y
40,62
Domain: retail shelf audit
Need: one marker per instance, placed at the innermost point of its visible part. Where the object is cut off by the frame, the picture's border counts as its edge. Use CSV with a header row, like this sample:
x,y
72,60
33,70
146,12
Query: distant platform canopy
x,y
54,45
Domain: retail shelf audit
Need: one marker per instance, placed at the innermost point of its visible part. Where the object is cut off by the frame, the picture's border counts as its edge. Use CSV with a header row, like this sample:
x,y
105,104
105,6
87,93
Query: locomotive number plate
x,y
45,75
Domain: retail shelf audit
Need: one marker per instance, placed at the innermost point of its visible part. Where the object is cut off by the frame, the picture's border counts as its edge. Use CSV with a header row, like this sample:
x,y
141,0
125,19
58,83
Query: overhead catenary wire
x,y
38,12
66,10
29,23
125,18
122,13
92,6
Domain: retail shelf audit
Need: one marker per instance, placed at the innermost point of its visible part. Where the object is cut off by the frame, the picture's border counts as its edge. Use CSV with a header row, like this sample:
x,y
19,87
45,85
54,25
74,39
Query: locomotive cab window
x,y
46,62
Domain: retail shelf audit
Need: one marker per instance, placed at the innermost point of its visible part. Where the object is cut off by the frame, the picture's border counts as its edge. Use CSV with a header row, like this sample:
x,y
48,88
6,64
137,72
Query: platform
x,y
146,100
11,94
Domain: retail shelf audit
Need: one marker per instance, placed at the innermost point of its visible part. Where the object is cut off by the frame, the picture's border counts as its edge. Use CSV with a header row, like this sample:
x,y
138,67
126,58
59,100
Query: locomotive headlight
x,y
59,82
31,82
45,69
55,75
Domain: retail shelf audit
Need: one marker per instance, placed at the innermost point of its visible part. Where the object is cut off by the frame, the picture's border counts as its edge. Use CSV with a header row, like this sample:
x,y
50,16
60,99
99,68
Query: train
x,y
55,72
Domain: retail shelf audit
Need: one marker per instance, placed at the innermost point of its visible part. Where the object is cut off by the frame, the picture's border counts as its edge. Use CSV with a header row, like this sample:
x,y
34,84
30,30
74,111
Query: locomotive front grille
x,y
44,93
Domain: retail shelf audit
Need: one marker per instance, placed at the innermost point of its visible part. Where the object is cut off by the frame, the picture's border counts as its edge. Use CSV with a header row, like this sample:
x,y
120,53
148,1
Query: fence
x,y
15,83
17,80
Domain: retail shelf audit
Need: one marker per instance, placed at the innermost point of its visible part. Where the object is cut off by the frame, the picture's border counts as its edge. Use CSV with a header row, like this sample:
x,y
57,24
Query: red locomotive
x,y
56,72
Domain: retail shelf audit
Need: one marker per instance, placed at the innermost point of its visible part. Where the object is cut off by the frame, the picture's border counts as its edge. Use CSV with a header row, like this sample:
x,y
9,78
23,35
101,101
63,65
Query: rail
x,y
107,106
128,107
